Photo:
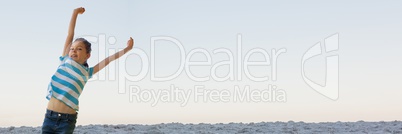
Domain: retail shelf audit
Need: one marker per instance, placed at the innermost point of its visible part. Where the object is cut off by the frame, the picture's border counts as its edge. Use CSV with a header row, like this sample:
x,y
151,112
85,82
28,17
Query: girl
x,y
69,80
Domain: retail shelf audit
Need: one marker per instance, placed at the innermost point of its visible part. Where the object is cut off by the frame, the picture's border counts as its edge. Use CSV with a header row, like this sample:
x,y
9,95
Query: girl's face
x,y
78,52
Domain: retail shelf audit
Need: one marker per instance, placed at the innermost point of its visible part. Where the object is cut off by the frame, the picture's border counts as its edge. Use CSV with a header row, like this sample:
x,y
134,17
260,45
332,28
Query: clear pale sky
x,y
32,34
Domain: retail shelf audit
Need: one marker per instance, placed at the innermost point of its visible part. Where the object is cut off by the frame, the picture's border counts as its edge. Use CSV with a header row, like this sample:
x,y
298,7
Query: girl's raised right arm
x,y
71,29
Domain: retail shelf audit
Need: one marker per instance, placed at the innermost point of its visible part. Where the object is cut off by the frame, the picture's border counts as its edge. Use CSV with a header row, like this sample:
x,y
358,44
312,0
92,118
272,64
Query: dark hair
x,y
87,47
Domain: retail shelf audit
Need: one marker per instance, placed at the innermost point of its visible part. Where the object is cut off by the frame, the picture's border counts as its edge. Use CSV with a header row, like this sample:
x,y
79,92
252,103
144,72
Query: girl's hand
x,y
79,10
130,43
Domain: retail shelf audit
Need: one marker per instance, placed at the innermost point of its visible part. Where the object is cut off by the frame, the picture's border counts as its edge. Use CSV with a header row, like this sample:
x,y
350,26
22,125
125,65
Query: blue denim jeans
x,y
58,123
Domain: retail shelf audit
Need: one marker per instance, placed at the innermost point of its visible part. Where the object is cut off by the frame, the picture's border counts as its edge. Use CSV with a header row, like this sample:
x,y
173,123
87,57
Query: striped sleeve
x,y
63,58
90,72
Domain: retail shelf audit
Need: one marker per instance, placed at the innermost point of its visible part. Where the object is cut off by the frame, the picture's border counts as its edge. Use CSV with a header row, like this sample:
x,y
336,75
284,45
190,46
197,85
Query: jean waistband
x,y
61,115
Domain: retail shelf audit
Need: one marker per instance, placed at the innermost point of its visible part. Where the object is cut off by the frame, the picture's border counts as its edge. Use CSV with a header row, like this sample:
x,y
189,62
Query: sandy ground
x,y
394,127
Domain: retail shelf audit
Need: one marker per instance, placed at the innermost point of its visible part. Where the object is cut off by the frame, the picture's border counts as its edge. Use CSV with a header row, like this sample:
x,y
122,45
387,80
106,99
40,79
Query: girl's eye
x,y
79,48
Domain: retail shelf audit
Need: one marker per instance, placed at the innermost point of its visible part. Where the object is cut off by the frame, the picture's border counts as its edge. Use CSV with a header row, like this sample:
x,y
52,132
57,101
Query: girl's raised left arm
x,y
105,62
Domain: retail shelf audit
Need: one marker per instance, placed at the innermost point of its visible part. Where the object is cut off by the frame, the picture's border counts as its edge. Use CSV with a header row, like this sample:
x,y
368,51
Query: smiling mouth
x,y
73,56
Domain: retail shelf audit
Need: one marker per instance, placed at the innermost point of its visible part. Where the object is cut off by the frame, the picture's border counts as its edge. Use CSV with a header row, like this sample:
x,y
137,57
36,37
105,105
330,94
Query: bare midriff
x,y
58,106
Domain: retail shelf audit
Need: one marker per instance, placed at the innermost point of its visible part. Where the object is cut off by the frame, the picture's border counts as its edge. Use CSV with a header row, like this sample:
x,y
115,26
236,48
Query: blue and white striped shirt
x,y
69,81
